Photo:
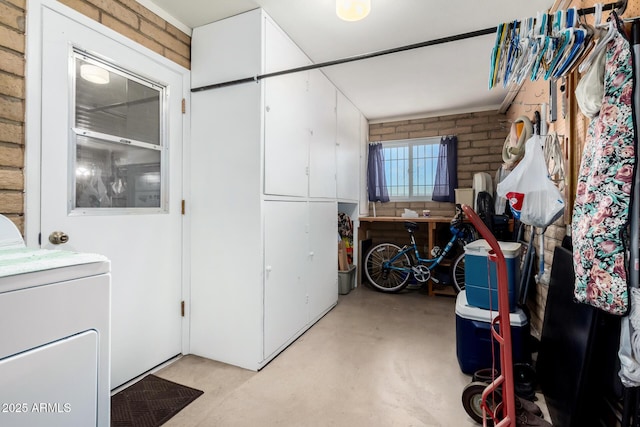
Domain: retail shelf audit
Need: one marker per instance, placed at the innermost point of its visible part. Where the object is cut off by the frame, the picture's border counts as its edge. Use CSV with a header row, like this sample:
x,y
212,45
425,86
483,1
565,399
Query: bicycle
x,y
389,267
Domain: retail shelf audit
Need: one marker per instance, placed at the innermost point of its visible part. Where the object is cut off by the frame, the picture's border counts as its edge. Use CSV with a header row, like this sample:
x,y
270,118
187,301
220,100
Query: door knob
x,y
58,237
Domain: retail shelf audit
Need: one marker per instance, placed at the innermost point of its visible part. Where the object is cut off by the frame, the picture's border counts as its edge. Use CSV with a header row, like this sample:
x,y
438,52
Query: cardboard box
x,y
464,196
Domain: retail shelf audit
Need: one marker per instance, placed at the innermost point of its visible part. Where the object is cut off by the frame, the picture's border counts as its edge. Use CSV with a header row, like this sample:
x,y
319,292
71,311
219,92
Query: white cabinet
x,y
323,257
262,209
322,125
300,135
286,136
300,275
285,257
286,118
349,143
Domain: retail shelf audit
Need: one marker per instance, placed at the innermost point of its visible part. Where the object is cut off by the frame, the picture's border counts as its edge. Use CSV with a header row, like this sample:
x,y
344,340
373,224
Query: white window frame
x,y
162,146
410,143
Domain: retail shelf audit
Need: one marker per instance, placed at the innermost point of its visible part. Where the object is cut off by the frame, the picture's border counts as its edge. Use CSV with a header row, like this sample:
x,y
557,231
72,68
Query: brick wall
x,y
124,16
12,93
481,137
134,21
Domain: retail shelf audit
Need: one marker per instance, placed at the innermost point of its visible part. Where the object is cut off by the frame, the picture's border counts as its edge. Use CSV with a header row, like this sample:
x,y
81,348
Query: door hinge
x,y
182,308
39,239
183,207
184,106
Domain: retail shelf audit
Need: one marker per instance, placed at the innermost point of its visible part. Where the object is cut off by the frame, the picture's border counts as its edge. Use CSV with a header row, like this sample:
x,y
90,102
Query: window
x,y
410,168
117,139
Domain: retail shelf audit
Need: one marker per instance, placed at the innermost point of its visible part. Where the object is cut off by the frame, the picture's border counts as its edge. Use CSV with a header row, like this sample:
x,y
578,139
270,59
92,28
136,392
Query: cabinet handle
x,y
268,268
311,253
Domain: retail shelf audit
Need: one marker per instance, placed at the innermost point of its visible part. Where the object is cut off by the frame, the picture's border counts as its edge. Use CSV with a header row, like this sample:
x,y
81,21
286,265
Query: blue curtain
x,y
447,170
376,184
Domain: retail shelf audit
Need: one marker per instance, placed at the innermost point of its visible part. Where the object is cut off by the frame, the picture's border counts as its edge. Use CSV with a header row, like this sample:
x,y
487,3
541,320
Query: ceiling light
x,y
353,10
94,74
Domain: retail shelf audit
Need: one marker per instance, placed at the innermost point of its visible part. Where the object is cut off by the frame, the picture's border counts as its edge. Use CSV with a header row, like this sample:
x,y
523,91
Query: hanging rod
x,y
350,59
620,7
442,40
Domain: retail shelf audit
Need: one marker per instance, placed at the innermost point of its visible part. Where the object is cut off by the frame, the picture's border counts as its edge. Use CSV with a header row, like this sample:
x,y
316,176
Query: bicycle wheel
x,y
457,273
386,279
467,234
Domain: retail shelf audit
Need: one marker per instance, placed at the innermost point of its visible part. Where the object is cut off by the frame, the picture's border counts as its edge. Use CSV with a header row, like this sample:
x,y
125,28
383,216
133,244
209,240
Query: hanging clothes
x,y
629,352
601,210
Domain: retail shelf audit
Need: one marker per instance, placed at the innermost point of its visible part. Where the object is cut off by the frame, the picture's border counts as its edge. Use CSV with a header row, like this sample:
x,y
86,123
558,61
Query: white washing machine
x,y
54,335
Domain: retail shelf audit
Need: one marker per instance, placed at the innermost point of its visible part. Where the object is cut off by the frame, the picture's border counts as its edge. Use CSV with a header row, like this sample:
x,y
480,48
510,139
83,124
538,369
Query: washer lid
x,y
24,267
10,236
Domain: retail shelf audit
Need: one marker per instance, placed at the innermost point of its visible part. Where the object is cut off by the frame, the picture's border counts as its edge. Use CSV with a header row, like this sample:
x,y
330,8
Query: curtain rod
x,y
463,36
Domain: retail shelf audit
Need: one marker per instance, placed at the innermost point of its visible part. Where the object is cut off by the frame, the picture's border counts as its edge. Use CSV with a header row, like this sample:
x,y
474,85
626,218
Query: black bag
x,y
486,208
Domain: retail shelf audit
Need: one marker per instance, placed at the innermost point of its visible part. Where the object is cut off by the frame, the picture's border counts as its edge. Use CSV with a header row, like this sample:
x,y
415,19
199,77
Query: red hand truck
x,y
504,414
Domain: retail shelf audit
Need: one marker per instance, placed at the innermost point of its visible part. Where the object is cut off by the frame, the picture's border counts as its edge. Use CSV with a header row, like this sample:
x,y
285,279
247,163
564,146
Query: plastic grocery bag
x,y
533,197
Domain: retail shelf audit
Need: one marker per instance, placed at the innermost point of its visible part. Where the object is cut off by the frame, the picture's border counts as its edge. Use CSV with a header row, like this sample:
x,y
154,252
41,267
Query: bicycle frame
x,y
412,249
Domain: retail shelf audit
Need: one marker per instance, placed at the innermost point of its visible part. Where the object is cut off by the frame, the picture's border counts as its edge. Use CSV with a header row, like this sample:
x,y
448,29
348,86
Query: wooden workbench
x,y
368,223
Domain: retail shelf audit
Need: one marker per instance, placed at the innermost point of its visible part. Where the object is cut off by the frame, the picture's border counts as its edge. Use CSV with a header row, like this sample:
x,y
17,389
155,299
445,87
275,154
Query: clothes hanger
x,y
504,52
554,25
512,40
602,42
580,38
589,42
564,37
527,44
543,43
494,56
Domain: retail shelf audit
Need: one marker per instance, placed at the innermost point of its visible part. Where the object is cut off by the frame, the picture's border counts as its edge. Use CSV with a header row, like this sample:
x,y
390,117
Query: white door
x,y
348,150
322,149
111,180
322,279
285,290
286,118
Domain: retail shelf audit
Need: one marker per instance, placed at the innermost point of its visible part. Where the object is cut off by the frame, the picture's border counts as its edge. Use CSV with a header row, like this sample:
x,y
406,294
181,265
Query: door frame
x,y
33,128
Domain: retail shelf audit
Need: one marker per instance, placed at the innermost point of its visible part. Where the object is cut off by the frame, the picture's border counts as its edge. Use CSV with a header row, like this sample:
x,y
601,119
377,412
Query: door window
x,y
117,142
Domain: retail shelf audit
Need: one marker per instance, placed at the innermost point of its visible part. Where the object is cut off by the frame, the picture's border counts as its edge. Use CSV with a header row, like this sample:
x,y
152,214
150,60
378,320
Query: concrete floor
x,y
374,360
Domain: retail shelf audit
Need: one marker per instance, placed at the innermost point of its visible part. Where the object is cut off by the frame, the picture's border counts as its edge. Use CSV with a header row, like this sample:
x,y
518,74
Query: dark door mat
x,y
150,402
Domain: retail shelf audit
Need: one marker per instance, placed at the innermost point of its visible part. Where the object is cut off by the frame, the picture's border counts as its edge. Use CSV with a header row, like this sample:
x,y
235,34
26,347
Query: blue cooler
x,y
473,336
480,274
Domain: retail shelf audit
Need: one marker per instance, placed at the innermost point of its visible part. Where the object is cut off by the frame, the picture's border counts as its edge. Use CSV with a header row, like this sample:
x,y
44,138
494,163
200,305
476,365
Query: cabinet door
x,y
286,117
281,53
227,49
322,151
322,280
348,149
285,308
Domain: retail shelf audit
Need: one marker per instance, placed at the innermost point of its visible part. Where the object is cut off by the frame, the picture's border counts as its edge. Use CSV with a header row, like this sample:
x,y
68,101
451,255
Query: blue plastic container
x,y
480,274
473,337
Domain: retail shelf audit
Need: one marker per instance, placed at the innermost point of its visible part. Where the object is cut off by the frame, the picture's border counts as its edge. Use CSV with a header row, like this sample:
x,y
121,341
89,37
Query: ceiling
x,y
436,80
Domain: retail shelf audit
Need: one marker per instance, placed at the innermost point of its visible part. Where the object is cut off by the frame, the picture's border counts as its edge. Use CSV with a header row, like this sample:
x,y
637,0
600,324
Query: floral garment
x,y
601,209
